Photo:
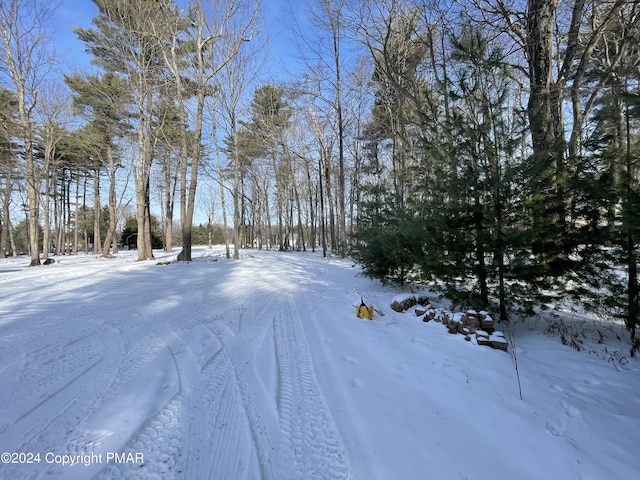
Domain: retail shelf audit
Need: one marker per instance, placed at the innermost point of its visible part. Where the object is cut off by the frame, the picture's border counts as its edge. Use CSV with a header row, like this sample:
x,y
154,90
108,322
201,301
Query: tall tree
x,y
610,172
123,41
103,99
556,41
323,49
234,80
193,46
264,137
398,41
487,131
168,131
25,57
54,117
8,132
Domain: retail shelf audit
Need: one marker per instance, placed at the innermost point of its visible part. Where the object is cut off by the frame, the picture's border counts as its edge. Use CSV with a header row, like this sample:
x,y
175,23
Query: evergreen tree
x,y
472,231
103,100
129,234
124,42
608,239
263,137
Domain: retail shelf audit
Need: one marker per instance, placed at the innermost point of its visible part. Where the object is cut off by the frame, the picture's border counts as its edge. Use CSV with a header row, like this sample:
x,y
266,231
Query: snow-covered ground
x,y
259,368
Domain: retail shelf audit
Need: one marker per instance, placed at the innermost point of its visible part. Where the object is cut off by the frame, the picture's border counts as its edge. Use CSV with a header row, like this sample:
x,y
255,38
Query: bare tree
x,y
329,15
322,49
220,176
210,210
233,81
54,115
194,42
26,58
167,151
7,167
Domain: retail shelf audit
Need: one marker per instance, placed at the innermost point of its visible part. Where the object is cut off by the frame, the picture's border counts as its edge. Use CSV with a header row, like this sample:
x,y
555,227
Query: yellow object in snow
x,y
362,311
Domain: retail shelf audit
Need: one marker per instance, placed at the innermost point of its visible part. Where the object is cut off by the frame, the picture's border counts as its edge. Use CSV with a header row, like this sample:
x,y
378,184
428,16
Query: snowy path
x,y
223,392
258,369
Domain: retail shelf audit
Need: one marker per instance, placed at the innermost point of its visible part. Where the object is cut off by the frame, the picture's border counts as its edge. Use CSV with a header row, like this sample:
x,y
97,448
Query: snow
x,y
259,368
402,297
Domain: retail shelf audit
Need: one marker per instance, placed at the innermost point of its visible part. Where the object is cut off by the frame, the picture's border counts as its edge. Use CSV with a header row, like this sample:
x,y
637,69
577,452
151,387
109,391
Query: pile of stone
x,y
468,323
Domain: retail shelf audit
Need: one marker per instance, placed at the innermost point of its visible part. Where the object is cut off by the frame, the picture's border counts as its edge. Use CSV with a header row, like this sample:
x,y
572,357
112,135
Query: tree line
x,y
502,154
488,147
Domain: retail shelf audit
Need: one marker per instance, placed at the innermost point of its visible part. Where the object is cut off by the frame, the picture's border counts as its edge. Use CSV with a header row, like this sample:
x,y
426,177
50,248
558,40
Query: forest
x,y
487,148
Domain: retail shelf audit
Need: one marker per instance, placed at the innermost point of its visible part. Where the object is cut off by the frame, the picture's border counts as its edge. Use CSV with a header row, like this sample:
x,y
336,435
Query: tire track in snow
x,y
134,359
310,431
160,442
217,434
219,443
225,422
204,431
229,444
293,432
161,437
240,346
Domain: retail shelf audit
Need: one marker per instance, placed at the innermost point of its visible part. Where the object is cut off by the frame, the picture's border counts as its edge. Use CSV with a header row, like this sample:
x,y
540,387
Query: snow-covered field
x,y
258,368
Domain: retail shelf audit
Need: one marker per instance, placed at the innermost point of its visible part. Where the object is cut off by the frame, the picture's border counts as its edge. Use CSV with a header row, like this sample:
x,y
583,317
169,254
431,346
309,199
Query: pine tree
x,y
123,42
103,100
263,137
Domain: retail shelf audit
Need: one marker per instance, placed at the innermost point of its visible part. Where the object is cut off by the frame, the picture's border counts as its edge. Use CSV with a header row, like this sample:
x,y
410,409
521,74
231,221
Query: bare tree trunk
x,y
111,231
268,213
6,215
59,214
62,214
97,211
300,226
312,207
148,244
68,227
545,122
12,241
48,189
633,290
33,197
46,218
170,186
74,247
236,192
335,23
222,196
322,214
85,235
329,196
142,168
187,222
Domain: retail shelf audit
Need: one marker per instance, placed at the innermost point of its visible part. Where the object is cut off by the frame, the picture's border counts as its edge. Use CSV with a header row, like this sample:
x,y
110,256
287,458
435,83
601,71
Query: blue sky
x,y
73,13
81,12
